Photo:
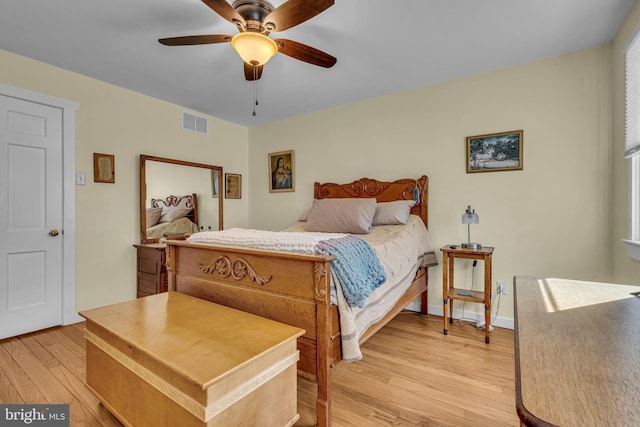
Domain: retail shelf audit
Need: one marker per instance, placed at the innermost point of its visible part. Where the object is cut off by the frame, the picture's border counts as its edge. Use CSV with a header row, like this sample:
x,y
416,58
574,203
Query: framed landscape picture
x,y
495,152
281,171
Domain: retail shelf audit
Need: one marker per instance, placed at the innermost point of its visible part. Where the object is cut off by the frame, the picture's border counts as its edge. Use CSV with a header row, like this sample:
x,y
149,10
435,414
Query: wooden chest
x,y
174,360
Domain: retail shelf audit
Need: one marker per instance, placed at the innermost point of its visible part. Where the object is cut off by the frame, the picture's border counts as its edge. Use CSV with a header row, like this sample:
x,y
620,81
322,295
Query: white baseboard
x,y
436,310
70,320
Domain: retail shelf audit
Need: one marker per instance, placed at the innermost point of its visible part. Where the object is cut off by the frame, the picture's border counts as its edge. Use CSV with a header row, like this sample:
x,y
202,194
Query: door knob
x,y
53,232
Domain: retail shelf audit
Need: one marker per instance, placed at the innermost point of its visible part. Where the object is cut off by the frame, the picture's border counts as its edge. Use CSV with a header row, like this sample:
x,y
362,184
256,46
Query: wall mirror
x,y
178,197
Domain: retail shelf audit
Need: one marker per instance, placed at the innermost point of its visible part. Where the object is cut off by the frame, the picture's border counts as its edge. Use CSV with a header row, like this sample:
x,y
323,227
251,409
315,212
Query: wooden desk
x,y
577,353
450,293
174,360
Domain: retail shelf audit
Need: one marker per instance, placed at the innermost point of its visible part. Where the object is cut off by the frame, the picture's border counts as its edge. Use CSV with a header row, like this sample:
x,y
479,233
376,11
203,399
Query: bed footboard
x,y
286,287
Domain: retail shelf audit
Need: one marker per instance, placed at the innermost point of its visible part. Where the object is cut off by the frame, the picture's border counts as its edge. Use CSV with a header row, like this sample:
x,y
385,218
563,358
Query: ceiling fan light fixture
x,y
254,48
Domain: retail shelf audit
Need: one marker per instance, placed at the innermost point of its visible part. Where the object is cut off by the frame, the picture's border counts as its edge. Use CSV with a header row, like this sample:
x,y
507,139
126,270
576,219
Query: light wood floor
x,y
411,375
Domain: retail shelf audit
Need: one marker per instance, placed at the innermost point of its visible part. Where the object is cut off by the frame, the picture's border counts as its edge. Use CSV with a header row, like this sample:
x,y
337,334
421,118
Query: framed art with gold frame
x,y
281,171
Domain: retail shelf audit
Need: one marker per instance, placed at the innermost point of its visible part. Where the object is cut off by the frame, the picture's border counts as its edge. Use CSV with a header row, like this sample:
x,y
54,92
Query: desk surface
x,y
577,351
202,340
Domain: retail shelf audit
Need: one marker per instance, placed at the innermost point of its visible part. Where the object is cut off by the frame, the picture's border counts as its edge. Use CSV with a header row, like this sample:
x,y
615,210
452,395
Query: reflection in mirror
x,y
178,198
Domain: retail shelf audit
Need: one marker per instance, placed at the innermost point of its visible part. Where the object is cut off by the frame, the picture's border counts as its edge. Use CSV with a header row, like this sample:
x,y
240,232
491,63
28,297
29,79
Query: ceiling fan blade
x,y
224,9
192,40
294,12
305,53
252,73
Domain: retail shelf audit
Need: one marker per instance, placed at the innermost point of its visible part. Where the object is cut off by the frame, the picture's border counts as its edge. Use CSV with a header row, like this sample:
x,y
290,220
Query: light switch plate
x,y
81,179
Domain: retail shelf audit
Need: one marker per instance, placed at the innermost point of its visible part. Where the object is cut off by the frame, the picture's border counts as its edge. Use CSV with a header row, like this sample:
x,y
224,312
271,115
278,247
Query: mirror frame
x,y
143,190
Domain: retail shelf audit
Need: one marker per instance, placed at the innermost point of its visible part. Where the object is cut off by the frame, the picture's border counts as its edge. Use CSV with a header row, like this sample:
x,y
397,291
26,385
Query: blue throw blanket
x,y
356,266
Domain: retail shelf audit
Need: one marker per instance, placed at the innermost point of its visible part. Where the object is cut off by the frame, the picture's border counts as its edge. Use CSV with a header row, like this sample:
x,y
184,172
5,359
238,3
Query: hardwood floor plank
x,y
8,392
64,350
76,333
26,389
31,358
39,351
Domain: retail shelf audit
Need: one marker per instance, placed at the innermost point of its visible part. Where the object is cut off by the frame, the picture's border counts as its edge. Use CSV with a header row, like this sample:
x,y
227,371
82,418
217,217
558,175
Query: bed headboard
x,y
383,191
189,201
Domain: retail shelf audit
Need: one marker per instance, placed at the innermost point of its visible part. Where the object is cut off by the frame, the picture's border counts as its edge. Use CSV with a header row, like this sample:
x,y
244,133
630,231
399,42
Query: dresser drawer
x,y
147,284
149,266
151,269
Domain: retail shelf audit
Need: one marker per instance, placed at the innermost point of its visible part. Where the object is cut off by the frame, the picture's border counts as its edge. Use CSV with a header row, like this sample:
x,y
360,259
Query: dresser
x,y
151,269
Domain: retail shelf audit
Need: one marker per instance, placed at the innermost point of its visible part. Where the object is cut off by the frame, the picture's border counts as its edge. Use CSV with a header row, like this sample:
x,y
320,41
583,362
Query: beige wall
x,y
553,218
126,124
625,269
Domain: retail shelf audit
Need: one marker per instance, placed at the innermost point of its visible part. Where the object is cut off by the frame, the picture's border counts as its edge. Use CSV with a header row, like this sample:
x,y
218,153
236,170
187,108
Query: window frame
x,y
632,141
633,242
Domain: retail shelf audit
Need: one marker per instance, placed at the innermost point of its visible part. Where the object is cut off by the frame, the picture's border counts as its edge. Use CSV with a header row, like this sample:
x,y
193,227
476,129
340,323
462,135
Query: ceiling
x,y
382,47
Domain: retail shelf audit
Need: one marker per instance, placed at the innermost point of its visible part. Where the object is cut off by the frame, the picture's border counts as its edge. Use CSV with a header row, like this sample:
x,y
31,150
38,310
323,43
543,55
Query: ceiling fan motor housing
x,y
253,12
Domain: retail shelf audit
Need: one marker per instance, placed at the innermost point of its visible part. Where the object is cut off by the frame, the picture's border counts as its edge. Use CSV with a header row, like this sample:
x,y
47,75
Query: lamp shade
x,y
254,48
470,216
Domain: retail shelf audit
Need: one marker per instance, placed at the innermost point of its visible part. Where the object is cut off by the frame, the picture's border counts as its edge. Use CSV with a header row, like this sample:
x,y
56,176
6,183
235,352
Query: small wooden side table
x,y
450,293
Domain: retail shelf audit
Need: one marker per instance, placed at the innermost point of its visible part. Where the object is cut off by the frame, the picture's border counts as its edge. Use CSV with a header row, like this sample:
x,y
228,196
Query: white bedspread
x,y
301,242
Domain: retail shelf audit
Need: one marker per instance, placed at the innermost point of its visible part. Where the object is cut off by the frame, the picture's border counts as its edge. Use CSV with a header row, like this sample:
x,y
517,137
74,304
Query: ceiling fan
x,y
255,19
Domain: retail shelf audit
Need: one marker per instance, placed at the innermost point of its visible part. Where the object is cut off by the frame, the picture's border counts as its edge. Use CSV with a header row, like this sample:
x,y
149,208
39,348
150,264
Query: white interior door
x,y
31,218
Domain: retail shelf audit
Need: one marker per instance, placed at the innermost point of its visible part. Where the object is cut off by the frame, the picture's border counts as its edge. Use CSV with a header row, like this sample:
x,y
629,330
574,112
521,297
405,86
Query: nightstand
x,y
451,293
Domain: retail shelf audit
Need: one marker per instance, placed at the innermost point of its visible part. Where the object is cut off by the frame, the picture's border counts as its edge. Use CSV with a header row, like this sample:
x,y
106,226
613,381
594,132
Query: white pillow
x,y
396,212
153,216
341,216
173,214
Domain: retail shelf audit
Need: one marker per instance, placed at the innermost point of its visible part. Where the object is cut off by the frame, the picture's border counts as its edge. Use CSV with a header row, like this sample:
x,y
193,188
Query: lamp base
x,y
472,246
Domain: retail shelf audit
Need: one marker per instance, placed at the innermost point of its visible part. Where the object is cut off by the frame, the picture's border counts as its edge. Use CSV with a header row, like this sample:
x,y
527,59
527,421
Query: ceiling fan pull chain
x,y
255,89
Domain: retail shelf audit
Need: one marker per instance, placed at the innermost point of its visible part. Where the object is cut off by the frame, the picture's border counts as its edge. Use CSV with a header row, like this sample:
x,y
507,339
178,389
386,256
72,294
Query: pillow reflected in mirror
x,y
153,216
172,214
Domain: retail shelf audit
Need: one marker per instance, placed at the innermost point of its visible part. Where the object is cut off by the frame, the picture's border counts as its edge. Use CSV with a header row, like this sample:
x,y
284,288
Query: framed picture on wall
x,y
495,152
233,186
281,171
104,168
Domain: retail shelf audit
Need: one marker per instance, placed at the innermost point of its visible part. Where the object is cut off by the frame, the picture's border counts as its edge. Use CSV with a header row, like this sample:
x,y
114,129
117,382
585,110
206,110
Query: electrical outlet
x,y
501,288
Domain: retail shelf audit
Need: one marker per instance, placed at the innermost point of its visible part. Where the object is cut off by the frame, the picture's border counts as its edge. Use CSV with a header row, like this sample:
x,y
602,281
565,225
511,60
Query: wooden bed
x,y
293,288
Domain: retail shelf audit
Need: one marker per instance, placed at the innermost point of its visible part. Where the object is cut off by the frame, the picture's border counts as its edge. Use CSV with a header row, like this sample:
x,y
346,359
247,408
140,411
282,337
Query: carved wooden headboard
x,y
383,191
189,201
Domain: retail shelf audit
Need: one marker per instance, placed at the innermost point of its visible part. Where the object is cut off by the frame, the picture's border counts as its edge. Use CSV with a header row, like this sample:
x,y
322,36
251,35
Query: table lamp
x,y
470,217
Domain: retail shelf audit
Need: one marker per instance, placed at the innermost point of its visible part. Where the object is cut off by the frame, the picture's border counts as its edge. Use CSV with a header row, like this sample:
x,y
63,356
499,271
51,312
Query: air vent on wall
x,y
194,123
